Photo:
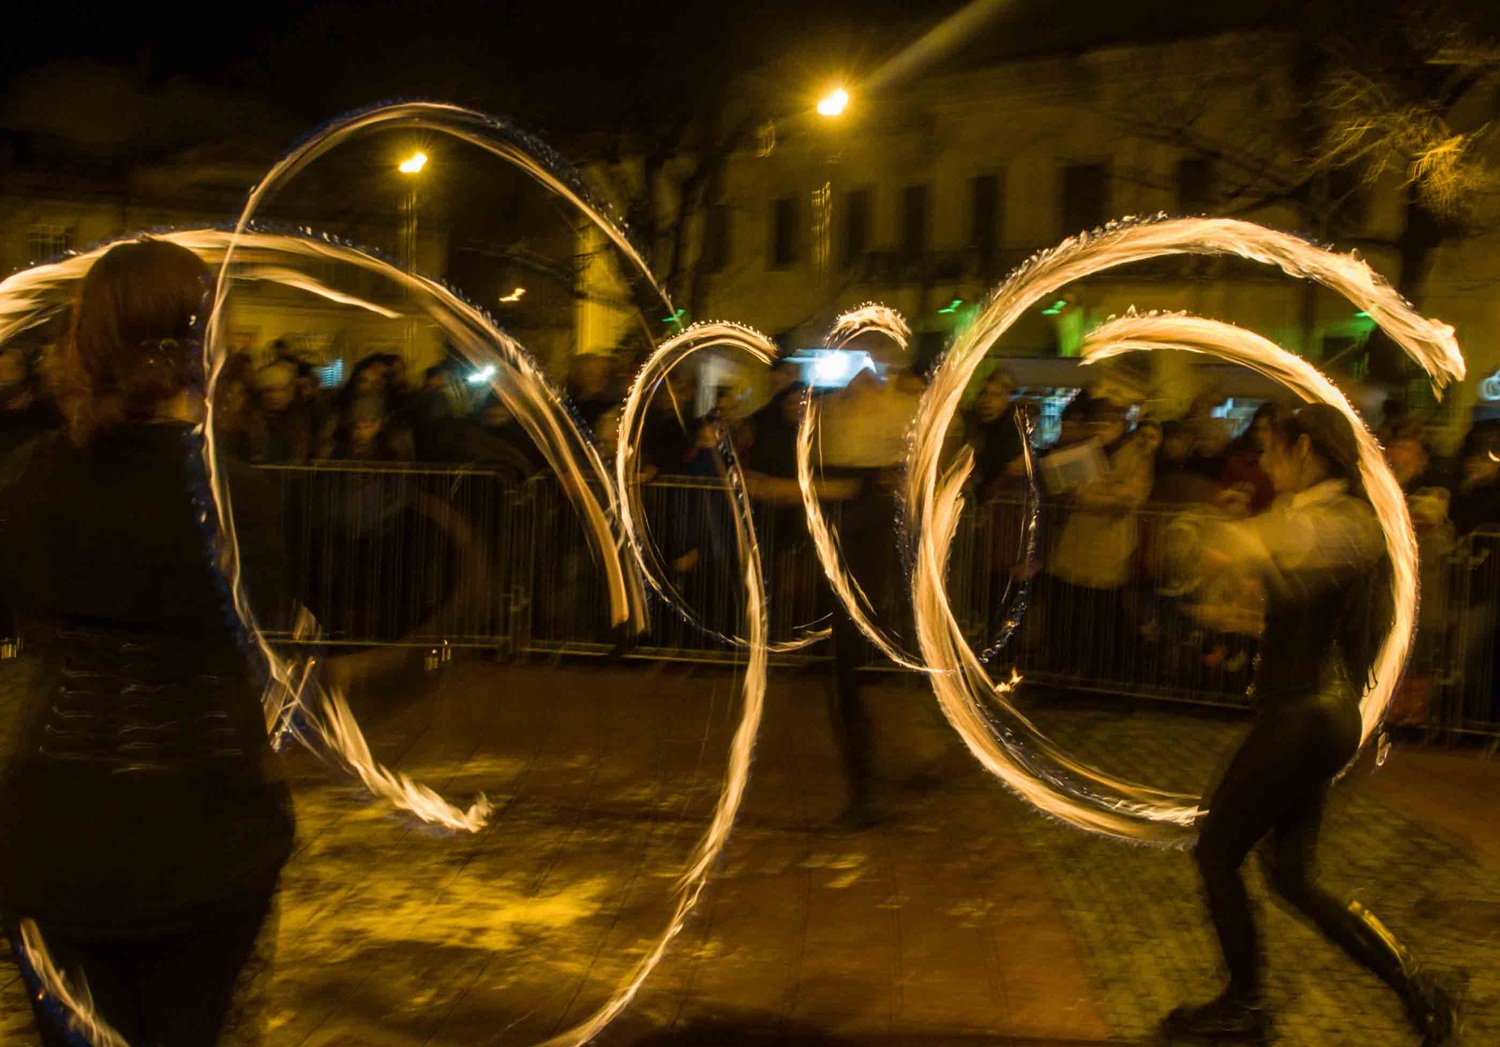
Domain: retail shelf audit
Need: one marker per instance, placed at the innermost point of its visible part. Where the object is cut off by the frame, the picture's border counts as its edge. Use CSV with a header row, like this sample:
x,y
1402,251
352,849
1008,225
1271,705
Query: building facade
x,y
925,198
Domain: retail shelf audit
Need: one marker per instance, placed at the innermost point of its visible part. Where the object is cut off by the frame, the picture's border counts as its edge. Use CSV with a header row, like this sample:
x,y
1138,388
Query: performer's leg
x,y
1289,864
850,719
1273,771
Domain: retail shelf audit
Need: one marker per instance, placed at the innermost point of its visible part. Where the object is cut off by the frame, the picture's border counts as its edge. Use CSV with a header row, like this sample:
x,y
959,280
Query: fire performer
x,y
1319,557
142,828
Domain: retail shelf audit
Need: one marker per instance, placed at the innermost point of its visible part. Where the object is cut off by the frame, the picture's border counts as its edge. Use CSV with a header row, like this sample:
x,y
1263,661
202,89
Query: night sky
x,y
71,67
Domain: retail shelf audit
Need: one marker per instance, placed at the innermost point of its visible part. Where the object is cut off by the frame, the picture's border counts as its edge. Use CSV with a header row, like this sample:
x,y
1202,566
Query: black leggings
x,y
171,991
1275,786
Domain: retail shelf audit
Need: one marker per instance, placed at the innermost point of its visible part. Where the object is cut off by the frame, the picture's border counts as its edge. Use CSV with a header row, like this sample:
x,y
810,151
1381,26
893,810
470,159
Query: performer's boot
x,y
1432,1009
1232,1018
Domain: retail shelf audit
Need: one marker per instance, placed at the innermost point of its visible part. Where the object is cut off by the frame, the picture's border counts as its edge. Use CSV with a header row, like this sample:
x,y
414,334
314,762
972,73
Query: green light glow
x,y
1055,308
952,307
675,318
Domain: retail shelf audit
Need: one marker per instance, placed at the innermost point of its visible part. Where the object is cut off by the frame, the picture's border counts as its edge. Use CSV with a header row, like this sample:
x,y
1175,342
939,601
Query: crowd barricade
x,y
477,557
399,554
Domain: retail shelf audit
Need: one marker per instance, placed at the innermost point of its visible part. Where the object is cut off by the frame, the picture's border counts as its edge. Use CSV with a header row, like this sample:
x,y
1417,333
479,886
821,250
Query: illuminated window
x,y
785,245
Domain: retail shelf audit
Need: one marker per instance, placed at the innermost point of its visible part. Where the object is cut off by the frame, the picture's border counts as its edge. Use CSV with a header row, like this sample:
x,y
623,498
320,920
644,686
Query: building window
x,y
716,239
1085,197
785,245
1196,190
914,221
856,226
984,218
48,241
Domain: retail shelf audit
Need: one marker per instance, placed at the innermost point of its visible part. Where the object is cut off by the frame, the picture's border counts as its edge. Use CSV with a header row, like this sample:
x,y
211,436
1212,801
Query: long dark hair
x,y
135,338
1368,613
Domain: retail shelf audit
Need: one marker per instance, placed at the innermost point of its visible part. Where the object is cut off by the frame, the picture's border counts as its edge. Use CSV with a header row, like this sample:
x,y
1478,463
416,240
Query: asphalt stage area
x,y
963,918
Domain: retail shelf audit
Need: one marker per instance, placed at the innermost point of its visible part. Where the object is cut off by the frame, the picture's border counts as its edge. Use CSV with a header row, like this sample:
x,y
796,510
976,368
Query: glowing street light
x,y
834,103
413,163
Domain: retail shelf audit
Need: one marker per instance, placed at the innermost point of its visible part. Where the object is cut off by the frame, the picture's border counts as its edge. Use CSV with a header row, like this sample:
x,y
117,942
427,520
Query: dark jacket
x,y
138,795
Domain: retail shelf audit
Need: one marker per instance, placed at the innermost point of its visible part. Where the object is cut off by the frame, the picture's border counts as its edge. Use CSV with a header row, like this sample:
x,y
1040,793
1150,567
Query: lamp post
x,y
411,167
830,107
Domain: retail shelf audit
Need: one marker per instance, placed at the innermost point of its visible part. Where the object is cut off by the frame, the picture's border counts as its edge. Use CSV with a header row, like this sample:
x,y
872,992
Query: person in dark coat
x,y
143,826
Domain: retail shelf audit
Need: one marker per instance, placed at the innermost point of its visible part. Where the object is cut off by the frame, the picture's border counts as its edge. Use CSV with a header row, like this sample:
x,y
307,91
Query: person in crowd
x,y
668,438
282,431
1476,501
1176,484
497,439
1093,555
235,421
589,387
1243,476
437,423
25,411
993,429
1407,455
1319,556
364,398
366,434
1210,435
1395,419
142,826
1406,452
1475,513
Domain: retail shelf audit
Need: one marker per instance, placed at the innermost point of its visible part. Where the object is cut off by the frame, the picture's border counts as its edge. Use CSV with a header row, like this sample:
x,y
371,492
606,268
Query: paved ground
x,y
964,919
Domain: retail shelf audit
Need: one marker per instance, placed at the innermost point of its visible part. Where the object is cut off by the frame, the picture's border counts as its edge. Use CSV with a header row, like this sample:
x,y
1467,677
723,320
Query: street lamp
x,y
834,103
410,167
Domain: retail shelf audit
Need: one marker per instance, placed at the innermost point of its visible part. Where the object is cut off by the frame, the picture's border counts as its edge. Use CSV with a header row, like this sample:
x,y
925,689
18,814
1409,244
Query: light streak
x,y
82,1020
1213,337
994,731
535,402
867,319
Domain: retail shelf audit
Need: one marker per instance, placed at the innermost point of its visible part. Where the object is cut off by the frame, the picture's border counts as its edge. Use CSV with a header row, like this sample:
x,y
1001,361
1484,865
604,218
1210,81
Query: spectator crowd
x,y
1121,488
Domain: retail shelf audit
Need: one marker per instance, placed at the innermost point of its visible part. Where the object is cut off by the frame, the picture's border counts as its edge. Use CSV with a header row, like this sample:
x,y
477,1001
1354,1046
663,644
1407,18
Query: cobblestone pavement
x,y
965,918
1137,915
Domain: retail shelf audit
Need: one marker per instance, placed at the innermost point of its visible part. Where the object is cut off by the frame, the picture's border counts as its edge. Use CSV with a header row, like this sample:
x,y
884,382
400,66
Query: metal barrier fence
x,y
429,556
406,555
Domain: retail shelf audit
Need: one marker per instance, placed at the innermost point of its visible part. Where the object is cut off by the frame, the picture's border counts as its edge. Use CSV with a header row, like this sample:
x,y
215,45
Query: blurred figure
x,y
589,387
863,430
234,409
668,439
1476,502
1319,556
366,435
282,431
1407,455
1093,555
1475,512
994,430
24,411
1175,483
438,430
1210,435
1428,504
1243,475
498,440
142,825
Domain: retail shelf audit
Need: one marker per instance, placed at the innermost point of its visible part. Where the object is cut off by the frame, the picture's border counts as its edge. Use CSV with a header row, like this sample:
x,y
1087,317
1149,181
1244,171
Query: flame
x,y
1003,740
